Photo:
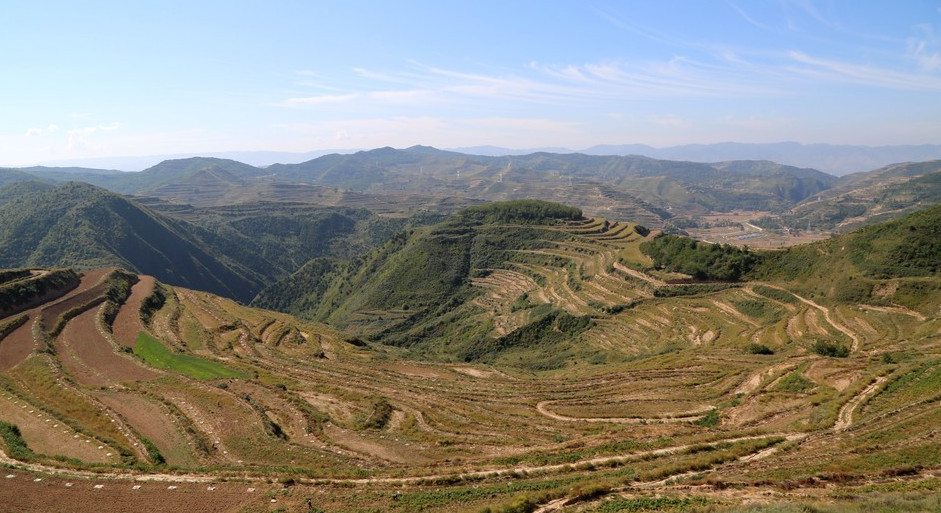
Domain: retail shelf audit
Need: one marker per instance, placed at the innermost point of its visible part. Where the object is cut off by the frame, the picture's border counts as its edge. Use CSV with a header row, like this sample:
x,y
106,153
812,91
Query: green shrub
x,y
702,261
710,419
759,349
831,349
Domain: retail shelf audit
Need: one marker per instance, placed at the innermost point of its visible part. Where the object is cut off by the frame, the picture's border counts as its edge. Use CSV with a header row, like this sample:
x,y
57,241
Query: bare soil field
x,y
90,357
154,422
27,493
15,347
127,324
48,435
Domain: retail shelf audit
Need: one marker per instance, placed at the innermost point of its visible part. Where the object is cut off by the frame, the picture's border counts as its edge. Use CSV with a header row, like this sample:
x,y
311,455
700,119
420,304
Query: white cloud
x,y
109,127
34,131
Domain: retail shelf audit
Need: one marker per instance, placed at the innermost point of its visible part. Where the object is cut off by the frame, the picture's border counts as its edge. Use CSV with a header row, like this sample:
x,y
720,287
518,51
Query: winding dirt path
x,y
639,275
476,474
895,309
542,407
826,315
845,418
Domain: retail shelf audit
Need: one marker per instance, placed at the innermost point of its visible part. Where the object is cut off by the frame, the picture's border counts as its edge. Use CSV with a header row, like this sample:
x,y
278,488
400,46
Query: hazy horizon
x,y
111,79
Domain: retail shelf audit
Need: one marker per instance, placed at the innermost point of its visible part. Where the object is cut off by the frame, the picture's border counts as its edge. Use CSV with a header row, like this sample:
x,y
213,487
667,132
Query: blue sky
x,y
97,79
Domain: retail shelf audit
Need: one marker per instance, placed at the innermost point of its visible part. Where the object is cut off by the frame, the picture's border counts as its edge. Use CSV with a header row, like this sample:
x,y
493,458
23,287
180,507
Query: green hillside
x,y
232,251
897,261
502,280
416,289
86,227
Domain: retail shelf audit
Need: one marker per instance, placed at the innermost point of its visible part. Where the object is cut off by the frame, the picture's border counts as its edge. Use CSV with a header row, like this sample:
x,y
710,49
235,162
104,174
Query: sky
x,y
124,78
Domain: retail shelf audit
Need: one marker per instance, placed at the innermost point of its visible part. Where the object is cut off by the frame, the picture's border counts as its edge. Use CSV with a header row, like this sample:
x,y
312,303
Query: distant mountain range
x,y
836,160
657,193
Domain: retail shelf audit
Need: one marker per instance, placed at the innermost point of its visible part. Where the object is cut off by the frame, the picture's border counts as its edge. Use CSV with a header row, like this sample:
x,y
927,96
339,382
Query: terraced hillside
x,y
124,394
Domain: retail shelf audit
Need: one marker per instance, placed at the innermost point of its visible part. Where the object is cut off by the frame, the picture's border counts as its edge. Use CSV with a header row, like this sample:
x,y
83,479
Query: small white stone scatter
x,y
171,487
99,487
68,485
10,476
135,487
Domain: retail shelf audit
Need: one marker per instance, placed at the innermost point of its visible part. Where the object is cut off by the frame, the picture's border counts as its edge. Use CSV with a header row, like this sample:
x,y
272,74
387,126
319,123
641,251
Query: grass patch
x,y
795,382
13,439
776,294
649,504
157,355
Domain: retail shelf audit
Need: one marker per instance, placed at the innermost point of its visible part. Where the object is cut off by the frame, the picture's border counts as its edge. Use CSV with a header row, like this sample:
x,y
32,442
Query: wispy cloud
x,y
748,18
923,48
835,71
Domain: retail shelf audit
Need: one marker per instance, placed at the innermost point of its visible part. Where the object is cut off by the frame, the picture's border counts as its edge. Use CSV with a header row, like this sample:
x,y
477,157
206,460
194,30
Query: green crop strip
x,y
157,355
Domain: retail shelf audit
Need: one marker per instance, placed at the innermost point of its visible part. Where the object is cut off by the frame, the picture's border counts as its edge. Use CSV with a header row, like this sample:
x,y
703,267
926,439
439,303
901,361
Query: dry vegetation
x,y
668,408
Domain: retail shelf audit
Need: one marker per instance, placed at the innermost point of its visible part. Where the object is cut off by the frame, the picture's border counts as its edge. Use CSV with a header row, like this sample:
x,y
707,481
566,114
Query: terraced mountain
x,y
130,395
866,198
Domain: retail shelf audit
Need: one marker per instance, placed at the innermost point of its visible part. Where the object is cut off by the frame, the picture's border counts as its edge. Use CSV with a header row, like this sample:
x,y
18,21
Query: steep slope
x,y
87,227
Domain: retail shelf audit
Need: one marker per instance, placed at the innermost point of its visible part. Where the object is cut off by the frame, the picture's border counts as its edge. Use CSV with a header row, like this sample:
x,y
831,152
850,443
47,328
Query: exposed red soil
x,y
86,291
19,344
45,434
127,324
23,494
16,346
91,359
153,422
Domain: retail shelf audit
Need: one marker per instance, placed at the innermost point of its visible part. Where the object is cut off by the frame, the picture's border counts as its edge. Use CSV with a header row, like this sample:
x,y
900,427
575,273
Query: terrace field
x,y
570,375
